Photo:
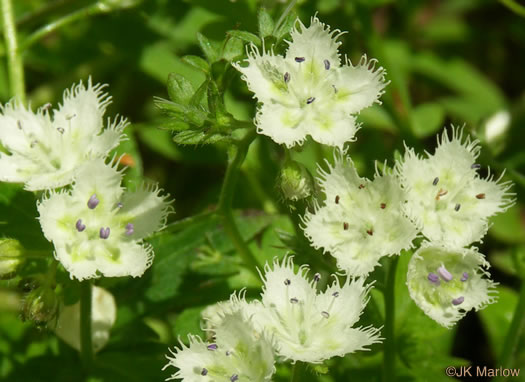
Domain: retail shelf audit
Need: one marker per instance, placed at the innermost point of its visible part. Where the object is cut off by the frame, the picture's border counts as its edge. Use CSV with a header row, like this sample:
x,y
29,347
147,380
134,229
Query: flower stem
x,y
389,356
513,334
86,346
236,157
14,59
297,371
80,14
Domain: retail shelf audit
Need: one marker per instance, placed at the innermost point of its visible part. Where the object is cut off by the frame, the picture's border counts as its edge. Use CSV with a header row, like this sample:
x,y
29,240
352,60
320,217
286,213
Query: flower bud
x,y
11,252
295,181
40,305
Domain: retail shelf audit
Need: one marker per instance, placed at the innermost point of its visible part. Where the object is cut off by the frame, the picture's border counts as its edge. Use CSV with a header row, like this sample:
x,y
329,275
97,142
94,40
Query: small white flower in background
x,y
311,91
361,220
104,314
45,149
308,325
239,353
447,197
447,283
97,227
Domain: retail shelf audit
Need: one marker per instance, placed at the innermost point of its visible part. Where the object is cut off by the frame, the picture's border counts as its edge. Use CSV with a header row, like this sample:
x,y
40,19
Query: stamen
x,y
441,193
234,377
475,166
361,186
299,59
120,205
326,64
445,275
337,199
458,301
383,205
435,182
480,196
310,100
80,227
286,77
464,277
335,89
370,232
325,314
60,130
93,201
70,117
457,207
287,282
130,228
46,107
212,347
345,226
33,144
433,278
228,353
19,124
104,233
204,371
335,294
293,300
317,277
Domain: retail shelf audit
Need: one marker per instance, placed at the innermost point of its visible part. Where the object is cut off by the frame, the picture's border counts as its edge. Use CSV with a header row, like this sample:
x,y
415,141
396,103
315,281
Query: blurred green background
x,y
449,62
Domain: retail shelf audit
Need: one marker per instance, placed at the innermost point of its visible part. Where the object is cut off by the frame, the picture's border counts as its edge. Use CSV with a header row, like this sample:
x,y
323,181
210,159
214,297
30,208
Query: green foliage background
x,y
449,62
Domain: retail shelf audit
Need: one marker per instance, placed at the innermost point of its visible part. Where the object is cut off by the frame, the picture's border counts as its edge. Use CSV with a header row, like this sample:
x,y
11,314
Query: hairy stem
x,y
297,371
515,329
236,157
389,356
86,345
14,59
80,14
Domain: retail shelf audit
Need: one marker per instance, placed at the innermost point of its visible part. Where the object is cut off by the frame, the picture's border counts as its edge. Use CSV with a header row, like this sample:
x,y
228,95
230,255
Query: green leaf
x,y
427,119
180,89
188,322
286,25
509,227
195,137
233,49
245,36
197,62
207,48
265,21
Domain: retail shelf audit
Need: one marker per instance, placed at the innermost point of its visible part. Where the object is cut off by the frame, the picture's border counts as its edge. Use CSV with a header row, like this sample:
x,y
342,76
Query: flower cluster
x,y
441,197
302,323
311,91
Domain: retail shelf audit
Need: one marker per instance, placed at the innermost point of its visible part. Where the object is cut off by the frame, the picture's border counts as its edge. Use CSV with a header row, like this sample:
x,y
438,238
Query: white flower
x,y
446,195
311,91
46,149
446,283
103,316
308,325
239,353
97,227
361,220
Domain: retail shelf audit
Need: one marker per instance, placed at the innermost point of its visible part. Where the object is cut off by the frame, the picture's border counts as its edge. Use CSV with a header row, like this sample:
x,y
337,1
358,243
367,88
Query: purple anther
x,y
433,278
287,282
457,207
317,277
310,100
93,201
458,301
326,64
228,352
464,277
299,59
212,347
475,166
104,233
204,371
293,300
234,377
335,294
80,227
129,229
60,130
325,314
435,182
445,275
120,205
286,77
